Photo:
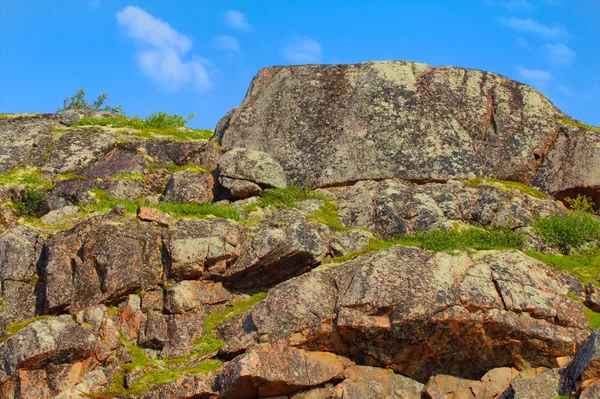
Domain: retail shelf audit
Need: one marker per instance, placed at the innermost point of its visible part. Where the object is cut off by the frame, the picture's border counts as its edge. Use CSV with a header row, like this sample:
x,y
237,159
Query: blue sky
x,y
199,56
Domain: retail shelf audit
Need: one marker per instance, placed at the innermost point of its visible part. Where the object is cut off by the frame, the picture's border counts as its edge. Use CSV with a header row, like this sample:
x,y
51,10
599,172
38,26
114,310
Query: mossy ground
x,y
105,203
586,266
161,371
507,186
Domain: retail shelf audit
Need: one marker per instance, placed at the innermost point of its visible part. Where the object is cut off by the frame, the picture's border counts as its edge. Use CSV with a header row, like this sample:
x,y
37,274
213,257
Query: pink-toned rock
x,y
154,215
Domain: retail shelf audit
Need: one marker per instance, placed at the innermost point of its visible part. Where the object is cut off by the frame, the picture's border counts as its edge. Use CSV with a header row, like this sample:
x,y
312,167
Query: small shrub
x,y
164,120
32,203
79,102
570,230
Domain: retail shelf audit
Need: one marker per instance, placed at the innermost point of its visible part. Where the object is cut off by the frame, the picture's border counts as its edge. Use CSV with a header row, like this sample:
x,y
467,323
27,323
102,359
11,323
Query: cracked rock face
x,y
393,207
422,313
332,125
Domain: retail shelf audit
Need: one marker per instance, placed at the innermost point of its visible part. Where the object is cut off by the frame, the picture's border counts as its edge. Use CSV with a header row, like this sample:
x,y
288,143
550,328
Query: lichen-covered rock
x,y
200,246
101,260
188,386
375,383
239,188
277,370
20,250
392,207
254,166
114,163
350,241
544,385
188,186
61,215
390,308
585,366
284,245
56,340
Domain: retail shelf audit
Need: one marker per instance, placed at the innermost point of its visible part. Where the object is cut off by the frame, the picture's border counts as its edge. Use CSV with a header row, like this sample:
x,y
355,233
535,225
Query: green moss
x,y
585,267
193,210
450,240
507,186
28,177
14,328
220,316
129,177
573,122
592,317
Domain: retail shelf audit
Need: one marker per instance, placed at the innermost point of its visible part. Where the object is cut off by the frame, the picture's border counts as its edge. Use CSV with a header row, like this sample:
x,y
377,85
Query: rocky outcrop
x,y
393,207
333,125
503,306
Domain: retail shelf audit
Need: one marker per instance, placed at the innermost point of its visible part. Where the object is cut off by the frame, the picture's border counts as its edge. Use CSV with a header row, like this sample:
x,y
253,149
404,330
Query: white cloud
x,y
93,4
529,25
523,44
534,77
164,52
237,20
564,90
227,43
559,54
303,50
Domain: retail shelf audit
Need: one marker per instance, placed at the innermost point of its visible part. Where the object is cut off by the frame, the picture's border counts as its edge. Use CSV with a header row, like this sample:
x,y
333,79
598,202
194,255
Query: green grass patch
x,y
147,129
507,186
450,240
193,210
28,177
286,198
585,267
178,168
592,317
14,328
573,122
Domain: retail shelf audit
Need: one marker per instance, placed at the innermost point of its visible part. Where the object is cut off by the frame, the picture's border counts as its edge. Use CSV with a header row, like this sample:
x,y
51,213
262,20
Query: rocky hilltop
x,y
380,230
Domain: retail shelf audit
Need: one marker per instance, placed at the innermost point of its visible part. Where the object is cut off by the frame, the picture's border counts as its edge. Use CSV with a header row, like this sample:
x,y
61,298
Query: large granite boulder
x,y
101,260
337,124
421,313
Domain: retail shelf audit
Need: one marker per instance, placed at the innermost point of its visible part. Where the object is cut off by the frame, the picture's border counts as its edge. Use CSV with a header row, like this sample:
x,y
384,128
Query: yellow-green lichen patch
x,y
26,177
507,186
576,123
14,328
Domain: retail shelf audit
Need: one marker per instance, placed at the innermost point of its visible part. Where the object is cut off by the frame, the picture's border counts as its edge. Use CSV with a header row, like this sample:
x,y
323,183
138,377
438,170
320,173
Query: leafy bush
x,y
32,203
163,120
570,230
79,102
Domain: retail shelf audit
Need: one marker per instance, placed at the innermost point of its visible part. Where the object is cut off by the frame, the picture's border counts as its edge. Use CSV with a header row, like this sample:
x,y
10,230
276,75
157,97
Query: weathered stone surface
x,y
545,385
350,241
585,366
185,387
239,188
254,166
447,386
392,207
276,370
592,297
61,215
200,246
154,215
55,340
182,153
504,306
375,383
115,162
592,392
101,260
284,245
20,249
189,294
394,119
187,186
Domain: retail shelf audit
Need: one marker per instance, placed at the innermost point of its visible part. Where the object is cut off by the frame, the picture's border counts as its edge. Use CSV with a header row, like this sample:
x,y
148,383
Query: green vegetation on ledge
x,y
14,328
507,186
573,122
105,203
585,267
78,102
